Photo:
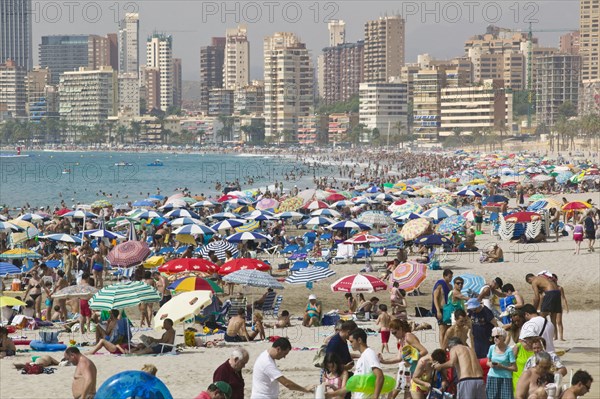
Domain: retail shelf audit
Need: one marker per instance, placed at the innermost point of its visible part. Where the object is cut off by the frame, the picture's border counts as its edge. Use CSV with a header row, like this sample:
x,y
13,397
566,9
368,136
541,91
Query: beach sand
x,y
190,372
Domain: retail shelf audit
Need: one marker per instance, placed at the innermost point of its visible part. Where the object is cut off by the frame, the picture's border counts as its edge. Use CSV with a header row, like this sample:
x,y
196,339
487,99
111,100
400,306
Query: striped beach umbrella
x,y
250,225
375,218
194,283
61,238
204,204
219,247
248,236
149,215
29,217
9,227
363,238
183,221
473,284
348,224
358,283
223,216
20,253
129,253
409,275
318,221
227,224
331,213
341,204
313,205
124,295
253,278
289,215
8,268
468,193
195,229
182,213
309,274
439,213
80,214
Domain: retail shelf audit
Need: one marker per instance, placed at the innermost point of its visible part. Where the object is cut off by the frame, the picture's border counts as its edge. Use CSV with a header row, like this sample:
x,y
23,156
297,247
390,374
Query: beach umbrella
x,y
227,224
258,215
194,283
129,253
451,224
248,236
181,265
120,221
20,253
196,229
309,274
405,209
389,240
415,228
61,238
432,240
522,217
289,215
318,221
348,224
29,217
375,218
442,198
409,275
244,209
3,218
223,216
383,197
204,204
468,193
576,205
101,204
75,291
423,201
149,215
172,206
542,178
473,284
184,221
142,203
182,213
363,238
101,233
219,248
124,295
326,212
290,204
495,199
315,205
342,204
363,201
226,197
238,201
80,214
407,216
267,203
250,225
440,212
335,197
182,307
358,283
253,278
9,227
243,264
10,301
8,268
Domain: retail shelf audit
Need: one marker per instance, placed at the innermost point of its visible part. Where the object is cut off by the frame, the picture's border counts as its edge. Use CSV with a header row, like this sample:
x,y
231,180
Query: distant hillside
x,y
191,90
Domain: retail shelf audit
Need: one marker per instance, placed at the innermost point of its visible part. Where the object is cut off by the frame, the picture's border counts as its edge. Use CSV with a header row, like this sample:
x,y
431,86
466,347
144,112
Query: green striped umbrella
x,y
120,296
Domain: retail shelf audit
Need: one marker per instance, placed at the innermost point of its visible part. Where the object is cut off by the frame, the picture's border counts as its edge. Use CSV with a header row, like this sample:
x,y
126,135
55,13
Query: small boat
x,y
123,163
157,162
17,155
66,171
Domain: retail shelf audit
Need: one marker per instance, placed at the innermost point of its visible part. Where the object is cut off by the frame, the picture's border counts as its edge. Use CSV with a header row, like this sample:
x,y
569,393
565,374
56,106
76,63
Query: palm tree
x,y
399,126
561,127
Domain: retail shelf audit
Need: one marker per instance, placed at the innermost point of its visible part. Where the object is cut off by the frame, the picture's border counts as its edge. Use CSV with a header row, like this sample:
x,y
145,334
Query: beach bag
x,y
190,337
320,357
31,368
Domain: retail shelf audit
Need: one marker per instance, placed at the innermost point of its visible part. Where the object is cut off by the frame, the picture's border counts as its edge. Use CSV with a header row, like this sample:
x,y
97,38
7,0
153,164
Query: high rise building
x,y
220,102
250,99
589,39
13,94
36,83
150,87
102,51
15,32
159,55
212,59
569,43
129,38
62,53
589,97
288,72
558,79
337,32
384,48
382,107
177,83
427,87
129,95
343,71
88,97
340,127
236,68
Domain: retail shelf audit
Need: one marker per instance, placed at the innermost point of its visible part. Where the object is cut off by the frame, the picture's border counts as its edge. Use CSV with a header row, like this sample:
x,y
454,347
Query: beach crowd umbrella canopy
x,y
61,238
75,291
243,264
313,205
194,283
182,221
409,275
194,229
309,274
8,268
248,236
348,224
149,215
439,213
20,253
253,278
358,283
181,265
473,284
124,295
127,254
267,203
182,307
219,248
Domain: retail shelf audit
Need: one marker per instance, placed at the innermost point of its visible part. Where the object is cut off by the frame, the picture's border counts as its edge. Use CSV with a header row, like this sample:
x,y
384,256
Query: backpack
x,y
31,368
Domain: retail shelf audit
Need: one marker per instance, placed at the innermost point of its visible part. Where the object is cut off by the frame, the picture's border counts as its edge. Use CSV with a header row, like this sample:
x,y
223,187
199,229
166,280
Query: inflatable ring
x,y
133,384
366,384
21,341
41,346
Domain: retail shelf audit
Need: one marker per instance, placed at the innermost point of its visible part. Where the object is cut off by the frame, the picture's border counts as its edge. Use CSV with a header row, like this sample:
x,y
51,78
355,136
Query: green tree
x,y
375,137
351,105
567,110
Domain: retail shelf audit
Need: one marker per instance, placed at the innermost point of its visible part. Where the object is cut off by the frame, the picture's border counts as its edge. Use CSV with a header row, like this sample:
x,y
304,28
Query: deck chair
x,y
344,252
300,264
267,306
276,306
236,305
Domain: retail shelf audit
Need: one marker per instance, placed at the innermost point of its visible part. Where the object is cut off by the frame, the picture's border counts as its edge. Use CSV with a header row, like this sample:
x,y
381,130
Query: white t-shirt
x,y
364,366
534,327
264,378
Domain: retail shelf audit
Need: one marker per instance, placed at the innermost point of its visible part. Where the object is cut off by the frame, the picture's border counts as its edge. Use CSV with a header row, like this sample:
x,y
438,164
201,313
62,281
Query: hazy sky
x,y
435,27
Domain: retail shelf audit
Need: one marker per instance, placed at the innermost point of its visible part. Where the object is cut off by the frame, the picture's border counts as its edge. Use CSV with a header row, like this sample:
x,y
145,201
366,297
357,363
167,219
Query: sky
x,y
439,28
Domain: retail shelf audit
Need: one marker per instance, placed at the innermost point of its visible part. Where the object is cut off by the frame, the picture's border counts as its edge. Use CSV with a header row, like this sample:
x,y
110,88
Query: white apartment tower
x,y
236,68
288,73
337,32
159,55
129,38
384,48
589,39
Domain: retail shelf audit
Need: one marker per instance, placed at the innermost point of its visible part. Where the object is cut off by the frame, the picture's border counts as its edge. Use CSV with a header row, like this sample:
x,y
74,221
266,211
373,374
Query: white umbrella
x,y
182,307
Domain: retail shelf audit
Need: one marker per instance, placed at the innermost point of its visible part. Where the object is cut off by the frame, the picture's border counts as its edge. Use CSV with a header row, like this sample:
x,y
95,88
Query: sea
x,y
45,178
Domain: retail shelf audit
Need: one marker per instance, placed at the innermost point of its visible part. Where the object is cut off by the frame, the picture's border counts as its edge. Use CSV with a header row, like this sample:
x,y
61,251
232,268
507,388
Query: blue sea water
x,y
39,179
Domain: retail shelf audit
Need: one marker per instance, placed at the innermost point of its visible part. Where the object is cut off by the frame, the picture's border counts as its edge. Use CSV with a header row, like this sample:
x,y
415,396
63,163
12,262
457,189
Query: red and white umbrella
x,y
363,238
243,264
358,283
188,265
315,205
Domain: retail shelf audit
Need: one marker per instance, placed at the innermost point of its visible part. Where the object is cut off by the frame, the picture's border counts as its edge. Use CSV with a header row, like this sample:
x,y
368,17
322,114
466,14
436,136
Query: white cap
x,y
312,296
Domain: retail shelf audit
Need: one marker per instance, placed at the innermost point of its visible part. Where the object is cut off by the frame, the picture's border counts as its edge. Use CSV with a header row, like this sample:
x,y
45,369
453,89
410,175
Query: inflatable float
x,y
46,347
133,384
366,384
21,341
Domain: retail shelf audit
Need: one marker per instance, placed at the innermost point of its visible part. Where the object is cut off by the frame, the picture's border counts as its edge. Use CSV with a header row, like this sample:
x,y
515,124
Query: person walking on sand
x,y
441,289
367,363
84,380
590,229
577,237
383,322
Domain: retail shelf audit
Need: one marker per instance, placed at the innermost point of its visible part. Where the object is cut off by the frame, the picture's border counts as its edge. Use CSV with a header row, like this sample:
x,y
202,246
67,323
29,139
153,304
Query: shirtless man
x,y
528,382
551,303
155,347
461,329
441,289
84,380
61,283
236,328
470,384
161,286
581,383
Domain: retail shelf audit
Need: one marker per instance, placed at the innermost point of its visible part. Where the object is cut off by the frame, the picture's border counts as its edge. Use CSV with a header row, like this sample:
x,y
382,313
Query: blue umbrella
x,y
183,221
537,206
80,214
7,226
158,197
317,221
247,236
54,263
433,239
253,278
383,197
219,248
349,224
309,274
104,233
223,216
473,284
28,217
495,198
326,212
148,215
143,203
441,212
372,189
289,215
227,224
389,240
451,224
194,229
62,238
300,264
468,193
182,213
8,268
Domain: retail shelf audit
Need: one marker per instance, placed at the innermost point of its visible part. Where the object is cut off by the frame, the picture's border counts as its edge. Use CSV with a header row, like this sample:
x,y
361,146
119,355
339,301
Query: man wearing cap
x,y
537,326
483,322
216,390
312,315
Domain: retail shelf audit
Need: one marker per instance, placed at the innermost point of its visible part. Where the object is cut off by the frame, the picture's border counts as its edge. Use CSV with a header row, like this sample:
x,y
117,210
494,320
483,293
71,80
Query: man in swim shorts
x,y
551,301
470,385
236,328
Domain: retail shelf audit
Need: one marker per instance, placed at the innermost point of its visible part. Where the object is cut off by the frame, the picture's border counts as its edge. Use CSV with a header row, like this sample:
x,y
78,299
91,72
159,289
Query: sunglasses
x,y
497,336
459,283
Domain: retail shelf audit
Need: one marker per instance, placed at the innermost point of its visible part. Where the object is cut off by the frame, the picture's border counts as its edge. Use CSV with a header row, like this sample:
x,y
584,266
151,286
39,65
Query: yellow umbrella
x,y
249,226
186,239
553,203
154,261
400,185
20,253
477,181
182,307
10,301
29,232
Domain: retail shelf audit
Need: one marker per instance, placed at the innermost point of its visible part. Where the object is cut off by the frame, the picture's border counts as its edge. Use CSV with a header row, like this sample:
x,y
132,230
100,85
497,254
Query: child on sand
x,y
383,322
283,320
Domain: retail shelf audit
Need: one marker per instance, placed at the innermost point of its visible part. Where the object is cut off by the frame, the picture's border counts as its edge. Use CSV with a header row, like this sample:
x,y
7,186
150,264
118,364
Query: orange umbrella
x,y
576,205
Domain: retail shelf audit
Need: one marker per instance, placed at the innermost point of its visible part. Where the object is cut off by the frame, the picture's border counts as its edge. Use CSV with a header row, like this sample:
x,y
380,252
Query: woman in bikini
x,y
34,289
